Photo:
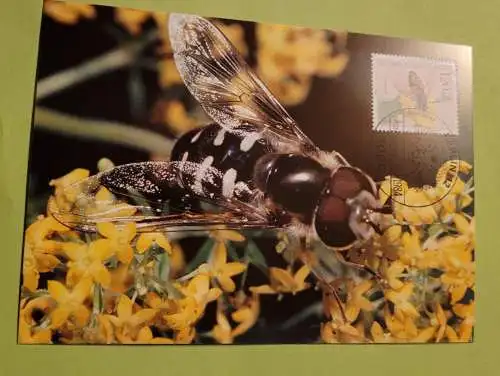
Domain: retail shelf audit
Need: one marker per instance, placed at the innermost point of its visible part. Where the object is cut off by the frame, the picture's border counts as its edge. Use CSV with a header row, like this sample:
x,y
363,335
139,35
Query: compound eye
x,y
332,223
335,222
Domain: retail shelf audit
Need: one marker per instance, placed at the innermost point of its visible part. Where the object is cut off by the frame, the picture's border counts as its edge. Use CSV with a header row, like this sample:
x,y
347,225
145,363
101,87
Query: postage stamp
x,y
414,95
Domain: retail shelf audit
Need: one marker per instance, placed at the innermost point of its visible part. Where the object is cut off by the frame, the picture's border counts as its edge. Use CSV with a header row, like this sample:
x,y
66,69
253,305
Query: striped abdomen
x,y
235,157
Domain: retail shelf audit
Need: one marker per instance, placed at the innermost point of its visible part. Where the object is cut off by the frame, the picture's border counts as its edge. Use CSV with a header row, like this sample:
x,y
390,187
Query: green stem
x,y
112,132
110,61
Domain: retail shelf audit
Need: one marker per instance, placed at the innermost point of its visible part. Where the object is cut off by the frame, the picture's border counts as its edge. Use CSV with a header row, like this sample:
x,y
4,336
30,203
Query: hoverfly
x,y
253,164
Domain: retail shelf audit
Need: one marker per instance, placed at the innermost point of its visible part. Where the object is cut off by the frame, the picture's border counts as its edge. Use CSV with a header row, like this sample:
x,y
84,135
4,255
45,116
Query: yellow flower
x,y
65,192
379,335
39,250
289,57
226,235
43,304
411,252
145,336
189,309
333,332
121,279
120,238
100,331
67,13
467,230
107,206
177,261
29,335
131,19
128,323
457,264
282,281
448,174
401,326
401,299
86,260
185,335
222,332
154,301
393,273
69,303
466,312
423,119
246,315
356,301
28,332
221,270
149,239
418,208
333,66
439,320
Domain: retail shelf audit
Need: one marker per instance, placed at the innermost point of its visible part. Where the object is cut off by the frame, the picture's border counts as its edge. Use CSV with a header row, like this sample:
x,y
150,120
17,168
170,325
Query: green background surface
x,y
474,23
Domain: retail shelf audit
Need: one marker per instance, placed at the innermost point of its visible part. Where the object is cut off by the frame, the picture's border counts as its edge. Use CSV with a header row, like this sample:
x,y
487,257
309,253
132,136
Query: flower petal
x,y
125,254
230,235
226,283
30,279
233,268
75,251
263,289
100,249
425,335
162,241
143,243
185,335
124,308
301,275
219,255
82,290
106,328
57,290
213,294
282,277
81,315
161,341
143,315
352,312
457,293
101,274
107,229
376,331
145,335
59,316
42,336
46,262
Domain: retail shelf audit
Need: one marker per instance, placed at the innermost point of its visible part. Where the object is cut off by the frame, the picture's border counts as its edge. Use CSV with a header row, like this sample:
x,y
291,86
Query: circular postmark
x,y
416,150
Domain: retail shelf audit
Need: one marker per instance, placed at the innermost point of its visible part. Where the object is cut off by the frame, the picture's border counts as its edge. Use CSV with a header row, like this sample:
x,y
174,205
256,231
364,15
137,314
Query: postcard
x,y
199,180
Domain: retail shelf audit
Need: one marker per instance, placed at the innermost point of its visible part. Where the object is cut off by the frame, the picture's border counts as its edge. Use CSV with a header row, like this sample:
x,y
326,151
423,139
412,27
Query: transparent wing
x,y
157,195
225,86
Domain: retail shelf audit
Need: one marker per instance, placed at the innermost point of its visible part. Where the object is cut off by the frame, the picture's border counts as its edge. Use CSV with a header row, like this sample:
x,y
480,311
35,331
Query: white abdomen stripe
x,y
200,173
228,182
219,139
248,141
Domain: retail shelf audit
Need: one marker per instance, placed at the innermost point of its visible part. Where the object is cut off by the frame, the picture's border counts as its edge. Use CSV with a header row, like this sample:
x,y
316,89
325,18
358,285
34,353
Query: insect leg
x,y
320,273
361,267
